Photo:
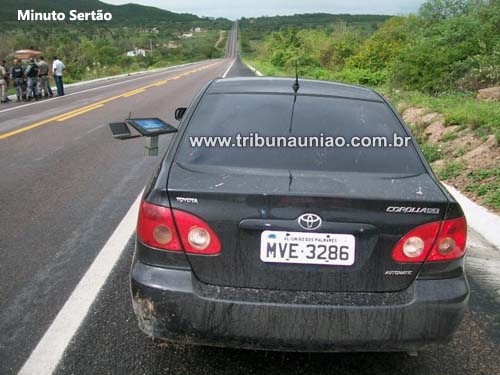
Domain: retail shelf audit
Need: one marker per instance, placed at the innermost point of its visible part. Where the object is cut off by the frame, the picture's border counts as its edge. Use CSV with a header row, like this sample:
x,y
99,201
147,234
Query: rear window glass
x,y
227,115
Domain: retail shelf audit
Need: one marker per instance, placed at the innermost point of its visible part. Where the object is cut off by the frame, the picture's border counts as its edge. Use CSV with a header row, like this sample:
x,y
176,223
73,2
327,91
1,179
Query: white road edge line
x,y
170,69
254,70
50,349
228,69
486,223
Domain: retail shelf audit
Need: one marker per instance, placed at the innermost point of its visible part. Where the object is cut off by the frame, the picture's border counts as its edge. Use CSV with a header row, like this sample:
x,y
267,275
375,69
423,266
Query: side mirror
x,y
179,113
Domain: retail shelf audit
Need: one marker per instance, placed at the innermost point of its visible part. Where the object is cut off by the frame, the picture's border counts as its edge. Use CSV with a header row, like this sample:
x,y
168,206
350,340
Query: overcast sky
x,y
233,9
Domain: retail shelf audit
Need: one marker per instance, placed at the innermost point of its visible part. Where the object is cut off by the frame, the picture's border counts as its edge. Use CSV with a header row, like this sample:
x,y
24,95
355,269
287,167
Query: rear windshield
x,y
277,118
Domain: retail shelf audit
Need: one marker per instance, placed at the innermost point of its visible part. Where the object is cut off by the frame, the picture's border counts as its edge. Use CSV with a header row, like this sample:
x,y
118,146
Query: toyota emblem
x,y
309,221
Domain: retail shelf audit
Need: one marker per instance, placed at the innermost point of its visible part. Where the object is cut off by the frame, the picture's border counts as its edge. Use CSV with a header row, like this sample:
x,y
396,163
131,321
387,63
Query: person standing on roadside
x,y
7,78
43,75
57,69
3,82
17,76
32,75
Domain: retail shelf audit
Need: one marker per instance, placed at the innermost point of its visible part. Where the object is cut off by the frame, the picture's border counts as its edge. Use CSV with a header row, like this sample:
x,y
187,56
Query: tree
x,y
285,46
428,64
437,10
380,49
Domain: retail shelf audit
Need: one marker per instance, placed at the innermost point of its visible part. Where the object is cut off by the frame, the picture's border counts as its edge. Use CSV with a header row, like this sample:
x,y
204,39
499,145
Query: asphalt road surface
x,y
65,186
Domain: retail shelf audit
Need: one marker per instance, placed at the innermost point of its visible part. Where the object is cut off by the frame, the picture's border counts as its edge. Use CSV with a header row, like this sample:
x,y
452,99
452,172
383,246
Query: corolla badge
x,y
309,221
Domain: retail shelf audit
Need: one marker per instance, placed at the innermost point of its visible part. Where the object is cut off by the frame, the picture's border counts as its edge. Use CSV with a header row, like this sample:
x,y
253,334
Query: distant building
x,y
197,29
138,52
154,30
187,35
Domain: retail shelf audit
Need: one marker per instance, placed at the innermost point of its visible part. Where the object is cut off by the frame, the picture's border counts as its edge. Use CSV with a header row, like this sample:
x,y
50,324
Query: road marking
x,y
166,70
93,106
50,349
162,82
228,69
254,70
132,93
80,112
96,128
26,128
46,121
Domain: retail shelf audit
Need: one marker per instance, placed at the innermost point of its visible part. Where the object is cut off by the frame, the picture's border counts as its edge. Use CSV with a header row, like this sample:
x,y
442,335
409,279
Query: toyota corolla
x,y
301,216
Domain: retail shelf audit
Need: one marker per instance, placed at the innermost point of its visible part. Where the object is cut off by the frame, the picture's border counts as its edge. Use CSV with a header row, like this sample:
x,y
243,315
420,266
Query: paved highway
x,y
66,184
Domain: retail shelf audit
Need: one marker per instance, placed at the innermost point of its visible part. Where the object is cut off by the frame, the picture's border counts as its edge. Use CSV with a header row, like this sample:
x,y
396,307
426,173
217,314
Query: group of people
x,y
31,80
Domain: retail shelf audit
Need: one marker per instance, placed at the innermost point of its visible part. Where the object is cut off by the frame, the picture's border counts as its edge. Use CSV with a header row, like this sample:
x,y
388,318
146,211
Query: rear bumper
x,y
173,305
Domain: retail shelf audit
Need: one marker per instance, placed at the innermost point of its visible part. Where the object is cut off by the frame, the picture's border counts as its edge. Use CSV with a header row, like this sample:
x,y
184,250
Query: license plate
x,y
307,248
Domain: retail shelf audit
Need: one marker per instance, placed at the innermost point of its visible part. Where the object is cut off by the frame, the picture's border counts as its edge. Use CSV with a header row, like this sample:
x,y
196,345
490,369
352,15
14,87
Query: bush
x,y
361,76
455,47
438,10
431,152
452,169
486,183
451,45
379,50
312,49
428,64
480,71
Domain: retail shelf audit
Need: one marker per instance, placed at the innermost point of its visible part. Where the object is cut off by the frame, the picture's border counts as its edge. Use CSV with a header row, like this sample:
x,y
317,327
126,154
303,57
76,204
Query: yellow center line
x,y
29,127
99,104
134,92
80,112
161,82
78,109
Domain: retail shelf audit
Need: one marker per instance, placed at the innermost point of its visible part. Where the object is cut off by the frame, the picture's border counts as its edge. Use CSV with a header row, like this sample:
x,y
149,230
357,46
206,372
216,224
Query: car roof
x,y
274,85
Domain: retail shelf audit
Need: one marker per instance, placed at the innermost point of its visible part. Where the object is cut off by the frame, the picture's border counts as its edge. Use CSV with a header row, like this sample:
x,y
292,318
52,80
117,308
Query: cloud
x,y
244,8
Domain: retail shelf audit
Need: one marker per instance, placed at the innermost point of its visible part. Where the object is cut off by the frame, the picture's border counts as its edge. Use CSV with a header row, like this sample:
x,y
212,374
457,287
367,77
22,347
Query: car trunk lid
x,y
241,203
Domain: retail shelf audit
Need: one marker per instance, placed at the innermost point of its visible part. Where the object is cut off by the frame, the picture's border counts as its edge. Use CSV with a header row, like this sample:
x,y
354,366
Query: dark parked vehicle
x,y
314,248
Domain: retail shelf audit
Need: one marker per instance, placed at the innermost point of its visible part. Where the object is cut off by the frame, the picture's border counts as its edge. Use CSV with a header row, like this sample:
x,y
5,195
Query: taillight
x,y
156,228
415,245
197,236
433,242
451,241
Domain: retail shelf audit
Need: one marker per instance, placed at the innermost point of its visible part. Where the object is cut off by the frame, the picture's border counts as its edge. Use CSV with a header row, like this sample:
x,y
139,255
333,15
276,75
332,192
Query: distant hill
x,y
128,14
93,49
311,20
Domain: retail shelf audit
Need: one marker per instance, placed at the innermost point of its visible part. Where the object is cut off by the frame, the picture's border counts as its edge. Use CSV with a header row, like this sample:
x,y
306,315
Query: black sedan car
x,y
298,216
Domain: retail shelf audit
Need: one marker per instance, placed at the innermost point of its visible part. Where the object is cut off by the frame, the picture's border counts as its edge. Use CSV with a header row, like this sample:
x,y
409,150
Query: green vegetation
x,y
449,136
95,49
452,169
256,29
458,108
486,183
431,152
318,41
434,59
460,151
